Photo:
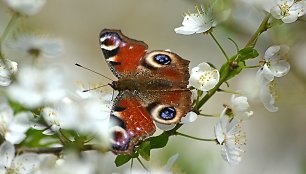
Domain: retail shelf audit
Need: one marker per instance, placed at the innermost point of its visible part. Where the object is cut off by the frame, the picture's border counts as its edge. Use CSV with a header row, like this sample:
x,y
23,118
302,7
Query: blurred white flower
x,y
7,69
70,164
51,121
288,10
26,7
92,111
199,22
165,170
13,128
238,108
22,164
164,127
37,86
203,77
229,135
268,96
33,45
274,64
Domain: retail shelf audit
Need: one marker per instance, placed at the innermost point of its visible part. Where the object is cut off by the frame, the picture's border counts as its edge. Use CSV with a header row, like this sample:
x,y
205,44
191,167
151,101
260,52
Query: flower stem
x,y
141,163
220,47
209,115
262,28
52,150
228,91
195,138
255,66
131,167
6,31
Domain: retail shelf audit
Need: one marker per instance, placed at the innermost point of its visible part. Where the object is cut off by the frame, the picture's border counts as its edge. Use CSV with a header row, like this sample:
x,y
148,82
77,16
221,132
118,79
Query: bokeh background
x,y
276,142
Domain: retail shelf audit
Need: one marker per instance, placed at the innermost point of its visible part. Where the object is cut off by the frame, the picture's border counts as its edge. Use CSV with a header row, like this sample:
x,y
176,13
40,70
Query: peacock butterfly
x,y
152,86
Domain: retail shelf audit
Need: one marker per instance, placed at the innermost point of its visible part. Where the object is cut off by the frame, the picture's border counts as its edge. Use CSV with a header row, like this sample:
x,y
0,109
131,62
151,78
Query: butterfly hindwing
x,y
134,123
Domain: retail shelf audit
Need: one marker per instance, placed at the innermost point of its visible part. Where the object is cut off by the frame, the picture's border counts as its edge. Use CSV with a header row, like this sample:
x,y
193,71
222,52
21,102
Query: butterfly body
x,y
152,86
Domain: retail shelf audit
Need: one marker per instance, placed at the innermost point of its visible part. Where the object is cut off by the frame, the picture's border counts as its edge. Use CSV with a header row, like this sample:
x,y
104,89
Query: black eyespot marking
x,y
118,108
117,121
162,59
167,113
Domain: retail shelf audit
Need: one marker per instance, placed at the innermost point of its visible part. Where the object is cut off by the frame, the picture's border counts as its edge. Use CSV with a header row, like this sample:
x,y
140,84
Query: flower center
x,y
205,77
35,52
284,9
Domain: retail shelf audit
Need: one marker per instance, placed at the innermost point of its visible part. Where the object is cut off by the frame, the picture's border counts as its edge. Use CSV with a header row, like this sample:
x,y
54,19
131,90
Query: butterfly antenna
x,y
90,89
93,71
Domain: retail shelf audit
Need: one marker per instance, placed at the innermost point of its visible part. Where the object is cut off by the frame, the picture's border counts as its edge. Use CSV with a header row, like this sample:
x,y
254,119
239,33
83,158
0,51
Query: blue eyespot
x,y
162,59
167,113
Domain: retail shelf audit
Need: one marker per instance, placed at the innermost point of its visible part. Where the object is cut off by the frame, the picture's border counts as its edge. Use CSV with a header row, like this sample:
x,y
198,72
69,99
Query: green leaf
x,y
144,150
122,159
236,71
247,53
159,141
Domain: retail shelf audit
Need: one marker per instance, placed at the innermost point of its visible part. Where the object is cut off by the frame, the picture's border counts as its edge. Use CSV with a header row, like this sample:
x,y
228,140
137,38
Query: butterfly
x,y
152,87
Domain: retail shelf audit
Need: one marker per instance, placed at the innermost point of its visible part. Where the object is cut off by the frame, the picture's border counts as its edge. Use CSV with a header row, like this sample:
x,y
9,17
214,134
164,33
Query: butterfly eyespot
x,y
162,59
120,140
110,41
167,113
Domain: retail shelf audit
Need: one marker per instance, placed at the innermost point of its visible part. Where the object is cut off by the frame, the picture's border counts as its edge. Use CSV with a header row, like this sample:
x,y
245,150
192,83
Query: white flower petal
x,y
299,7
14,137
276,12
26,163
26,7
271,51
232,156
267,98
7,154
280,69
7,68
240,103
292,17
189,118
21,122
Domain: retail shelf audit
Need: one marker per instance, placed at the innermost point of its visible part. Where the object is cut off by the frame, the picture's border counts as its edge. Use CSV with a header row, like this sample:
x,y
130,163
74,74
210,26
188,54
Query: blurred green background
x,y
276,142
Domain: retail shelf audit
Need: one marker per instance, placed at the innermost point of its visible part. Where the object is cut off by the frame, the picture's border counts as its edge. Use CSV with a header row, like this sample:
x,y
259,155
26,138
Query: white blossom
x,y
239,107
26,7
288,10
274,64
13,128
22,164
203,77
51,121
37,86
33,45
199,22
229,135
7,69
